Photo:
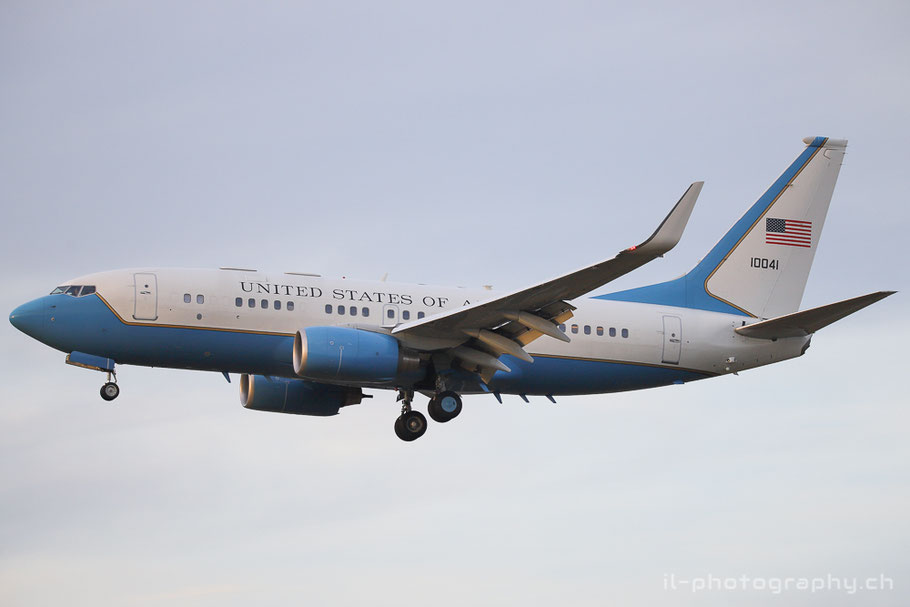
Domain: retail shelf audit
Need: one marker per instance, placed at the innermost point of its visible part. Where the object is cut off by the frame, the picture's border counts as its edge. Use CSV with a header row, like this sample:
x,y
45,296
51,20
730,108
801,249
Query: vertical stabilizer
x,y
760,267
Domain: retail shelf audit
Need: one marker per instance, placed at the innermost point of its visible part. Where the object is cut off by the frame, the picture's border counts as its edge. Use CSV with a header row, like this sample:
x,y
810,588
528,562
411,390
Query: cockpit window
x,y
74,290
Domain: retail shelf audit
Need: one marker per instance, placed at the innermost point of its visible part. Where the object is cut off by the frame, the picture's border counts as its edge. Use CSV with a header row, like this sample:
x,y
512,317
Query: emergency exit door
x,y
389,315
146,286
672,339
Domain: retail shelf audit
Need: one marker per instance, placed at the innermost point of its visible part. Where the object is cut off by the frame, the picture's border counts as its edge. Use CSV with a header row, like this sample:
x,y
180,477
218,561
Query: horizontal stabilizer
x,y
800,324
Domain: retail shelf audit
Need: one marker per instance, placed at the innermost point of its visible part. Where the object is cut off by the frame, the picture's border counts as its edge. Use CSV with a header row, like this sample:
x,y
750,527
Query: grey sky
x,y
473,144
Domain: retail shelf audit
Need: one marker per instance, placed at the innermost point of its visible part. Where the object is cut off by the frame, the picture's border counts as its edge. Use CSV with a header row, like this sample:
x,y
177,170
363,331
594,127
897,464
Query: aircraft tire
x,y
445,406
436,413
110,391
410,426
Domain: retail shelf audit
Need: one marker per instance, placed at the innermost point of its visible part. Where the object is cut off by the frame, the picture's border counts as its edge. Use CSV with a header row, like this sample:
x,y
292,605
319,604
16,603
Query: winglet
x,y
668,233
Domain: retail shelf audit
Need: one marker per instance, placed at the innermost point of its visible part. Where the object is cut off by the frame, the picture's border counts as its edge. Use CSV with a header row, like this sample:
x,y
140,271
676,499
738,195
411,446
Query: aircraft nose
x,y
29,317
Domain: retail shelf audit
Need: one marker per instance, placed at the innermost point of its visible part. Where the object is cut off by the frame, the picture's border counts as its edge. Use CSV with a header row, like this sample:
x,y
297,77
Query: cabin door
x,y
672,339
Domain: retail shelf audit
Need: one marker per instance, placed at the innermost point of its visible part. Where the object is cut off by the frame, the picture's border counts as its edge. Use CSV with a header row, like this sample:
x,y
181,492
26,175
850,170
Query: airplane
x,y
309,345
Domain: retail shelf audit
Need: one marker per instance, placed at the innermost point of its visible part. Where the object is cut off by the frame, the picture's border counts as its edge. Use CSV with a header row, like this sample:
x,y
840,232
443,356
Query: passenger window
x,y
328,308
187,298
612,331
353,310
238,302
87,290
562,328
420,315
200,299
587,329
290,306
574,328
341,310
365,312
600,331
625,332
251,302
390,313
264,304
277,305
406,314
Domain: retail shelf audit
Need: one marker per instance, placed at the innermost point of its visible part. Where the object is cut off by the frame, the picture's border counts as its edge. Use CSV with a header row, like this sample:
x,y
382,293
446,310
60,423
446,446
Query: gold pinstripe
x,y
165,326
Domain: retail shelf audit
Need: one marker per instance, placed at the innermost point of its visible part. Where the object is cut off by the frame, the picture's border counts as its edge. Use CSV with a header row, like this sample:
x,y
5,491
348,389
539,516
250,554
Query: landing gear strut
x,y
110,390
410,425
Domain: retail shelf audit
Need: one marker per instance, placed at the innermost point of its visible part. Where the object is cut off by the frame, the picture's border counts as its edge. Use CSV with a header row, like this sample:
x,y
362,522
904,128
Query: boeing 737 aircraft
x,y
309,345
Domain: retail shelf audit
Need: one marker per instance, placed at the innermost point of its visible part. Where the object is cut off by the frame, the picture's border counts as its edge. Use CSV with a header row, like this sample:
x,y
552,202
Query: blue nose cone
x,y
29,317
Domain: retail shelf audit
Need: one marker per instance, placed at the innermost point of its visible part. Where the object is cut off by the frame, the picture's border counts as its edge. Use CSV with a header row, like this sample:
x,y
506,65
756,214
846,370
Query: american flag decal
x,y
788,232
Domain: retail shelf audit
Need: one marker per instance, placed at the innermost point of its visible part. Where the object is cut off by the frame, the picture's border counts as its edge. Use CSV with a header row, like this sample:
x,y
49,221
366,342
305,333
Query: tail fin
x,y
760,267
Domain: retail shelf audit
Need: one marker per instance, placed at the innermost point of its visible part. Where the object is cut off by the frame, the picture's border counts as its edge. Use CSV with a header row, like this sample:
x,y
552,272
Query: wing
x,y
507,323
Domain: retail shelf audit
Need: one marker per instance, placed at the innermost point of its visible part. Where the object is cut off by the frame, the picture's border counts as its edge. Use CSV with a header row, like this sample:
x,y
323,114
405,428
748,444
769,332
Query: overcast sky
x,y
479,143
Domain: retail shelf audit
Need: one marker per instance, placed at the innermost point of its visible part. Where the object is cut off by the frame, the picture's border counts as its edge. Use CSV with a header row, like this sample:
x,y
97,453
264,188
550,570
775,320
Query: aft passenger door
x,y
146,286
672,339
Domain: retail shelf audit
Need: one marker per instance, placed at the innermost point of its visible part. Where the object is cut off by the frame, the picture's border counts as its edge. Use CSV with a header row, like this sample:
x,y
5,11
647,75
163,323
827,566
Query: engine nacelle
x,y
351,355
296,396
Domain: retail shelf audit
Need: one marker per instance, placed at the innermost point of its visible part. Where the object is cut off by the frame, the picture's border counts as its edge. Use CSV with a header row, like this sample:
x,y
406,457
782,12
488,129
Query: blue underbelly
x,y
561,375
88,325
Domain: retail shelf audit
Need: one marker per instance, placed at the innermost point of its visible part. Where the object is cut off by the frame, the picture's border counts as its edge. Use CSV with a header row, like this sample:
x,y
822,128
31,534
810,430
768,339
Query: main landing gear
x,y
444,407
110,390
411,425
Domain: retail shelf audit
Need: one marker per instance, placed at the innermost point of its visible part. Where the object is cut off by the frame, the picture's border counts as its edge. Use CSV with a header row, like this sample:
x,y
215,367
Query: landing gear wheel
x,y
410,426
110,391
445,406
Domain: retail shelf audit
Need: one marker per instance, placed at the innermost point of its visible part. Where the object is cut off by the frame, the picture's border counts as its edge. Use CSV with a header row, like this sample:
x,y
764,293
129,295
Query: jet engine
x,y
296,396
352,355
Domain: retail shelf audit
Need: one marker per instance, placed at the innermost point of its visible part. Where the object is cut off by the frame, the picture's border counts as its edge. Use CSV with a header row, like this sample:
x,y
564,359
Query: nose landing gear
x,y
110,390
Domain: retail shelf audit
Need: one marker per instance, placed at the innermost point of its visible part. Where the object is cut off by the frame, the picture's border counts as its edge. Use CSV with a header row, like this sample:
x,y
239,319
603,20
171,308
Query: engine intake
x,y
351,355
297,396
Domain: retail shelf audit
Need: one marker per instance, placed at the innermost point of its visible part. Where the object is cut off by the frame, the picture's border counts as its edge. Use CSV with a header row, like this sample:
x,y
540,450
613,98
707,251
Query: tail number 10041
x,y
763,263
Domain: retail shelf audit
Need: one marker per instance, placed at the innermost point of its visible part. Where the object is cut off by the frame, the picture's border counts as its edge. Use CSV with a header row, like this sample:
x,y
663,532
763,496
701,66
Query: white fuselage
x,y
280,304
